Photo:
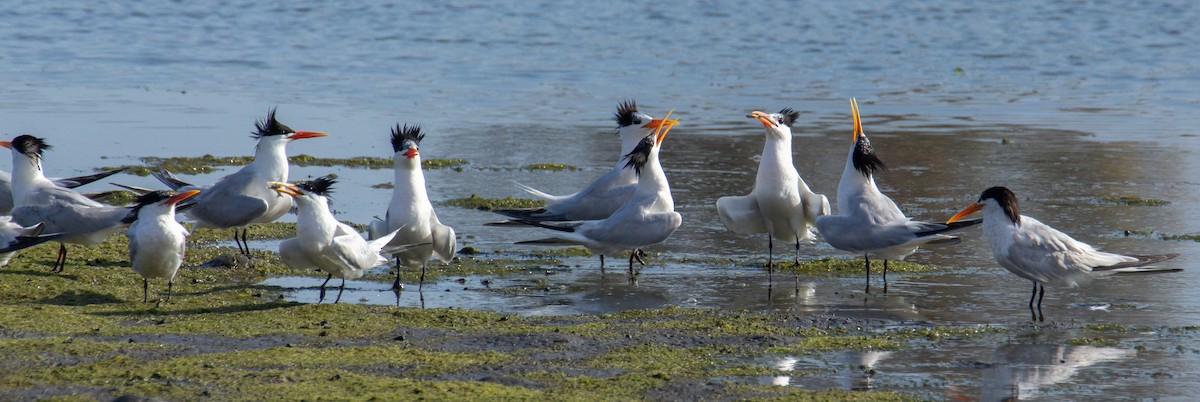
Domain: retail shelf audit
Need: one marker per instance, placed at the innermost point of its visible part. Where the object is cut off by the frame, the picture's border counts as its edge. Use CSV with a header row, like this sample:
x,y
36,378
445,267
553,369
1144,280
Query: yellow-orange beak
x,y
285,188
660,133
175,199
858,128
970,209
656,123
6,144
306,134
764,118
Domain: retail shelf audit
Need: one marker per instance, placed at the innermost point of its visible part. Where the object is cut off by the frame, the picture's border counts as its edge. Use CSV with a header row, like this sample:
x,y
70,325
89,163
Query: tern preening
x,y
606,193
324,243
36,199
156,240
780,204
242,198
869,222
410,211
6,199
1032,250
648,218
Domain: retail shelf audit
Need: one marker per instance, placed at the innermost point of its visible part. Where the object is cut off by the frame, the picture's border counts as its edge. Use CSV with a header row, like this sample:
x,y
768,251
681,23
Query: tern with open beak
x,y
1032,250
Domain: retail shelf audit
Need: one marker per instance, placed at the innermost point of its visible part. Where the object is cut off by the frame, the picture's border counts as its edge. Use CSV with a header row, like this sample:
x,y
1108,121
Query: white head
x,y
633,126
308,194
406,145
27,152
159,203
778,125
272,134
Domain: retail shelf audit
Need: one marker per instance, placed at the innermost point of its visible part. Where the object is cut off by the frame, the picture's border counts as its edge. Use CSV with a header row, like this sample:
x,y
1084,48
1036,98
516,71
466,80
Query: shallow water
x,y
1064,103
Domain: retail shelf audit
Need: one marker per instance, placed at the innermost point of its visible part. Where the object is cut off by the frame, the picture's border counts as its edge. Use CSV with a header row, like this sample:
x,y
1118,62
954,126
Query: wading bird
x,y
323,242
869,222
242,198
410,211
1032,250
156,240
780,204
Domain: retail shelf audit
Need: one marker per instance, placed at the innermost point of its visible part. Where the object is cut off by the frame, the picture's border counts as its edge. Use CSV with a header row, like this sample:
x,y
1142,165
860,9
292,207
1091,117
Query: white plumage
x,y
156,240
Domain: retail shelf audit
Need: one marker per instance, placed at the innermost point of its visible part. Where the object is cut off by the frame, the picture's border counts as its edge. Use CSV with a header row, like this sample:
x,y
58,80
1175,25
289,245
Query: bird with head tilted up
x,y
1035,251
870,223
156,240
780,204
648,218
323,242
242,198
410,211
37,200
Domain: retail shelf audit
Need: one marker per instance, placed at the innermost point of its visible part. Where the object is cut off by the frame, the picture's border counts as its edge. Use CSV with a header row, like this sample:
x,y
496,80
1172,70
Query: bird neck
x,y
409,182
653,182
854,185
27,173
777,153
156,211
270,159
312,215
630,137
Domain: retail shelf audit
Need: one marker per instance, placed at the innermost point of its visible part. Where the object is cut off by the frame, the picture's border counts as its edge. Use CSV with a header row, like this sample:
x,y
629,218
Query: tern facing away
x,y
869,222
156,240
410,211
323,242
606,193
1032,250
780,204
648,218
242,198
37,200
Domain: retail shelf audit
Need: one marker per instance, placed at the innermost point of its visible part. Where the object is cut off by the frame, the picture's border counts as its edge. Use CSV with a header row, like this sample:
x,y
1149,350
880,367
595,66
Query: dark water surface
x,y
1065,103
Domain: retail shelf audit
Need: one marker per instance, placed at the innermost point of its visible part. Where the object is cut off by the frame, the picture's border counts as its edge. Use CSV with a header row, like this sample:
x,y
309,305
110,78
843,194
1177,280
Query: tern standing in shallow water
x,y
242,198
781,204
410,211
1032,250
37,200
156,240
869,222
323,242
648,218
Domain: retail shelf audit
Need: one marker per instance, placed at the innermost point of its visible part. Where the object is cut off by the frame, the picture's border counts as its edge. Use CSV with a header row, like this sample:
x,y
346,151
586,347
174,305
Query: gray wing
x,y
354,252
741,214
71,219
294,255
225,208
59,195
649,229
444,243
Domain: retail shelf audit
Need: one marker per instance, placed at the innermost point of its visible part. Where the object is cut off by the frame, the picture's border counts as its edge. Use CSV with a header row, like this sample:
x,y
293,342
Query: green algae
x,y
830,266
384,186
1134,201
207,163
1097,341
840,342
491,204
1184,237
550,166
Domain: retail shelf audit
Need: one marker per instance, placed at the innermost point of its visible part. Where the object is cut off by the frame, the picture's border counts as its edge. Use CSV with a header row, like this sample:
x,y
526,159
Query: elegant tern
x,y
1032,250
410,211
648,218
870,223
156,240
242,198
780,204
36,199
6,199
323,242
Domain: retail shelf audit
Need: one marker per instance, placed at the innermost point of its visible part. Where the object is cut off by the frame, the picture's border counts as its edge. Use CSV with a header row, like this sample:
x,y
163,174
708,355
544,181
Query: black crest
x,y
1006,199
627,113
30,145
788,116
144,200
400,134
865,160
320,186
270,126
640,155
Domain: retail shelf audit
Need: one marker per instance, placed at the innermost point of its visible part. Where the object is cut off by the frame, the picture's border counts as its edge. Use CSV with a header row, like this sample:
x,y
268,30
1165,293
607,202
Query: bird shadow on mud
x,y
240,308
81,298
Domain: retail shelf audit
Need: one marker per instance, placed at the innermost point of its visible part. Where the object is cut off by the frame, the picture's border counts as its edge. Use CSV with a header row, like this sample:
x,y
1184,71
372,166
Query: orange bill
x,y
307,134
970,209
175,199
858,128
763,117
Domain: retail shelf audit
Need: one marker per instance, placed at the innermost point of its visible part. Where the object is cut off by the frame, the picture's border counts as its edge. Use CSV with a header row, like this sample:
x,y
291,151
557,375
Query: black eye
x,y
637,121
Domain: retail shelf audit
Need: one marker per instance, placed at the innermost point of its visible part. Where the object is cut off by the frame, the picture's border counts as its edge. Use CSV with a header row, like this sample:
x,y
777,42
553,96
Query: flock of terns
x,y
628,208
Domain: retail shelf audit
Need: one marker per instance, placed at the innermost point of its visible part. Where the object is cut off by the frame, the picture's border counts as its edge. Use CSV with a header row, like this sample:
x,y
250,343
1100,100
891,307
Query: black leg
x,y
246,232
631,255
238,242
867,262
601,264
770,259
170,284
885,276
797,250
1042,293
340,290
396,285
60,262
1031,297
422,281
321,298
145,290
638,254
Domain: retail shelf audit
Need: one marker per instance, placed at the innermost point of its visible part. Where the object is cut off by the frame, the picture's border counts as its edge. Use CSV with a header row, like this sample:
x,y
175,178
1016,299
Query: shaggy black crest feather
x,y
270,126
865,160
788,116
406,133
30,145
627,112
640,155
144,200
1006,199
319,186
